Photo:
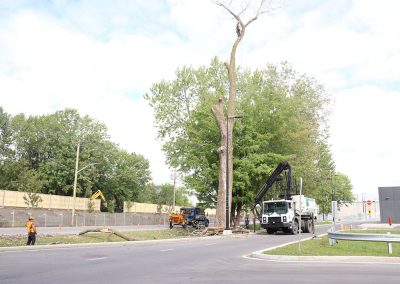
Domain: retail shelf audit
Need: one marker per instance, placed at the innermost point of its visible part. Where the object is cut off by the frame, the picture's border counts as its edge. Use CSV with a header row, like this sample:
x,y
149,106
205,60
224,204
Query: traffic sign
x,y
369,202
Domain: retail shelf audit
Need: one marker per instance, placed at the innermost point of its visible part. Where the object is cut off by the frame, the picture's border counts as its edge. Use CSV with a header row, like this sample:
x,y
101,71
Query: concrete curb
x,y
327,259
321,259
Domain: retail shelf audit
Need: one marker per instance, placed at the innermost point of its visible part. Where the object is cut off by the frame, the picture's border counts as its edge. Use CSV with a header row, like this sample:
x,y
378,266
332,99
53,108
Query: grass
x,y
323,222
251,227
20,240
321,247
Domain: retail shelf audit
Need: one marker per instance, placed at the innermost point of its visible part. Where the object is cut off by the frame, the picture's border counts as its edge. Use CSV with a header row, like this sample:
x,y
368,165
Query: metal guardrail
x,y
340,235
387,238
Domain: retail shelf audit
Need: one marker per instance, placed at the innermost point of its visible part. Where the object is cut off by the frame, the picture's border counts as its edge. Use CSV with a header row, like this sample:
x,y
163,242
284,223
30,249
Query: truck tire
x,y
270,231
307,226
295,227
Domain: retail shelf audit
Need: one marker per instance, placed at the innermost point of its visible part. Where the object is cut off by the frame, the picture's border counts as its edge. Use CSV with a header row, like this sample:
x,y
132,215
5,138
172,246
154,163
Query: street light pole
x,y
333,188
227,223
75,181
174,179
334,202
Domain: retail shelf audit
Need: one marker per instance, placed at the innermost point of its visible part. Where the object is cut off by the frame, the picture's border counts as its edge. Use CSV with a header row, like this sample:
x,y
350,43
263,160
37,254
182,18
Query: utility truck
x,y
189,216
288,214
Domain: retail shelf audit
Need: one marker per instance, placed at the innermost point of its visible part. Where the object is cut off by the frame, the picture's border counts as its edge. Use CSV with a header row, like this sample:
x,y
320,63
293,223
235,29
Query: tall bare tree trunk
x,y
222,120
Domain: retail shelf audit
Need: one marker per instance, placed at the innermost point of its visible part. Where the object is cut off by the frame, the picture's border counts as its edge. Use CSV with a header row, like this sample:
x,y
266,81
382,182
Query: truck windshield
x,y
275,207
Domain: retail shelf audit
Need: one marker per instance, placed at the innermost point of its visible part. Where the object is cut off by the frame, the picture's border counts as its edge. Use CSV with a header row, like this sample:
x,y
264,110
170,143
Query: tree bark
x,y
218,111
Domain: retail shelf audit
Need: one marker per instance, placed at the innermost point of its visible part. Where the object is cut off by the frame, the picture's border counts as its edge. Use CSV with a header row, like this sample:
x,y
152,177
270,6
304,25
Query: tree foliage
x,y
38,154
164,194
284,117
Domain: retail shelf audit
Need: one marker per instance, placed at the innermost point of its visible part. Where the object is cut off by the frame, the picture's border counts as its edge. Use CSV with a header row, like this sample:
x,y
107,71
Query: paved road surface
x,y
203,260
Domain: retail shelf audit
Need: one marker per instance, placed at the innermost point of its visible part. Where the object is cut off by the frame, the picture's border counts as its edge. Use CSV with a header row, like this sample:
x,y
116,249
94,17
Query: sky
x,y
100,57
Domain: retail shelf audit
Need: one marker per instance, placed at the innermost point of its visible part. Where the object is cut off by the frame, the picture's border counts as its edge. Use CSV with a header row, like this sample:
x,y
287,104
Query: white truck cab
x,y
284,214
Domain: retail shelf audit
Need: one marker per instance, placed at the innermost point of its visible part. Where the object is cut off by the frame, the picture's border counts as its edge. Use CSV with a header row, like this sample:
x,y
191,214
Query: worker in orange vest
x,y
31,228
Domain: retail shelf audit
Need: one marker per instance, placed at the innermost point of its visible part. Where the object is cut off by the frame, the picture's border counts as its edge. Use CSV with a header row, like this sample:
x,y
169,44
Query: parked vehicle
x,y
285,214
288,214
189,216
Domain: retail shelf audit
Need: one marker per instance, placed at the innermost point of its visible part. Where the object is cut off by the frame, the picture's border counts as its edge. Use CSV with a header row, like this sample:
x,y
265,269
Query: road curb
x,y
327,259
320,259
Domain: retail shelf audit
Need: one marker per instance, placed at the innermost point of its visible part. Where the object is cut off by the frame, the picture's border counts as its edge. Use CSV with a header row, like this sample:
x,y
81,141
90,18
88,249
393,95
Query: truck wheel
x,y
295,227
270,231
307,226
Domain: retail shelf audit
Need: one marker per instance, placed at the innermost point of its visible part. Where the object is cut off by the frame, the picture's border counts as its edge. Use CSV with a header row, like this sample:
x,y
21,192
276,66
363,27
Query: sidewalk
x,y
76,230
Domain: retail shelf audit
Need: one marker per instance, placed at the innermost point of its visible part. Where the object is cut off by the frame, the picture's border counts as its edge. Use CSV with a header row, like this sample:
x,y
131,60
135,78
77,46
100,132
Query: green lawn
x,y
321,247
20,240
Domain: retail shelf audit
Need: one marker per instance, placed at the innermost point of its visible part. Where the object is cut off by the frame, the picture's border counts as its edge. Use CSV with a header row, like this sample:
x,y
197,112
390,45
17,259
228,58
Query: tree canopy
x,y
38,154
283,118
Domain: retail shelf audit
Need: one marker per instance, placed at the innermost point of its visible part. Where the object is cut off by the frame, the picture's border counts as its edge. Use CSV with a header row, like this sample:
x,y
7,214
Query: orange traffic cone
x,y
390,221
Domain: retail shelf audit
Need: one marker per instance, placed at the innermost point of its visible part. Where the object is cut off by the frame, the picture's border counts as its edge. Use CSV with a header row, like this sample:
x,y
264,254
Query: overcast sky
x,y
101,57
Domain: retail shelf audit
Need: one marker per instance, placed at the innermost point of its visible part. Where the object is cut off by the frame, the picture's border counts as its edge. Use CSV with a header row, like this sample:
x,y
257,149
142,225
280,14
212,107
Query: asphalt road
x,y
201,260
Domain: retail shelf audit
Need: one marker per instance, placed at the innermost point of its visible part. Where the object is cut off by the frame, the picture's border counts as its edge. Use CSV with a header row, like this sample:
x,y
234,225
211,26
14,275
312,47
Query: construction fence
x,y
15,199
56,211
10,198
14,217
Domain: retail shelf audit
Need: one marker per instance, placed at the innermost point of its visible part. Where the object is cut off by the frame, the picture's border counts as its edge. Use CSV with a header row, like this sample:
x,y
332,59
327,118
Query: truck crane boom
x,y
270,182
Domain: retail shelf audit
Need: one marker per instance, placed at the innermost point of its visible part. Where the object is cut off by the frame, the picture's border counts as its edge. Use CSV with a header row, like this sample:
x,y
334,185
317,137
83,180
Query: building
x,y
389,198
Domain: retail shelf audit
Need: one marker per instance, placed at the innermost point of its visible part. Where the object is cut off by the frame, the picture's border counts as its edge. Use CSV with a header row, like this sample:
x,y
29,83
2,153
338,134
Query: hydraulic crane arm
x,y
99,194
271,180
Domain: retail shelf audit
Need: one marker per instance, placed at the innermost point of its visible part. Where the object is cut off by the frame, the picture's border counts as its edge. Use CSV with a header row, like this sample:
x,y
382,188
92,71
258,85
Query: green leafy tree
x,y
164,194
7,164
283,119
128,176
48,147
30,182
342,189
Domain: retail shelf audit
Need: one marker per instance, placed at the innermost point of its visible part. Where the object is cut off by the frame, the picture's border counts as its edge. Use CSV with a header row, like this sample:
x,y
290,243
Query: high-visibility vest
x,y
31,228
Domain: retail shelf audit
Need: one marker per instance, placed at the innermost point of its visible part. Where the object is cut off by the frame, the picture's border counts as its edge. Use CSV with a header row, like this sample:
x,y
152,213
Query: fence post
x,y
13,223
389,246
62,220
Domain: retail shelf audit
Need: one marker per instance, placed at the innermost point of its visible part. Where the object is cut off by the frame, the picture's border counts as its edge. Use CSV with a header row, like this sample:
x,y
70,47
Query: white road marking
x,y
166,249
252,258
97,258
211,244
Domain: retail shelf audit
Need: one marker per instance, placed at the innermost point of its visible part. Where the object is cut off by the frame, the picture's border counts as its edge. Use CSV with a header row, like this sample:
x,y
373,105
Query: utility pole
x,y
174,179
75,181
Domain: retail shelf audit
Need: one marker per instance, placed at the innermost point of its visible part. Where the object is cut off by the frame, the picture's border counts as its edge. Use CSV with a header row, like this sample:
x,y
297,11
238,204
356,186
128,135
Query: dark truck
x,y
195,217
